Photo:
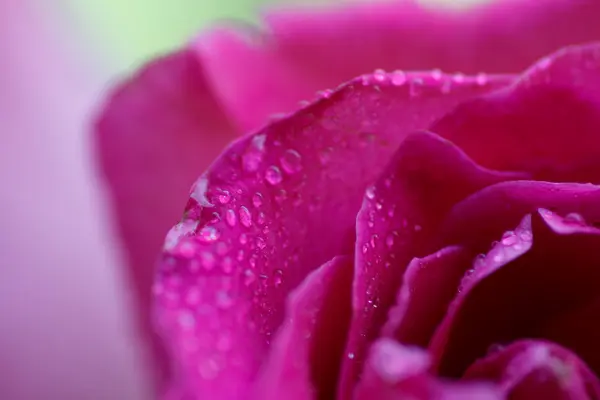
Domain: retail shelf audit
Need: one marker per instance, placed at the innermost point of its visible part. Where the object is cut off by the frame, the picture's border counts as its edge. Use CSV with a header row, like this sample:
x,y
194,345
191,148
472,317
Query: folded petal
x,y
428,286
156,134
545,272
482,218
547,123
305,354
275,206
394,371
533,369
304,51
399,217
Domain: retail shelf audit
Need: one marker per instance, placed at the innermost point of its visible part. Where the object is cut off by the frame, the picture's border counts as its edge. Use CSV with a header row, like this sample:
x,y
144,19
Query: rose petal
x,y
428,287
483,217
156,134
548,269
399,216
306,352
547,123
306,51
536,369
277,205
393,371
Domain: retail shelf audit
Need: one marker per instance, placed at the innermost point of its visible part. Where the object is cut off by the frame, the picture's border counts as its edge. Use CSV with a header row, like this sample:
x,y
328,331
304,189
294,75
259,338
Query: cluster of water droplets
x,y
426,80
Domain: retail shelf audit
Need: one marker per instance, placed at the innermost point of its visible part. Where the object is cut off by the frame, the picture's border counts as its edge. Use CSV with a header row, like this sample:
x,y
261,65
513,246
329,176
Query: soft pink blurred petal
x,y
157,133
303,51
65,330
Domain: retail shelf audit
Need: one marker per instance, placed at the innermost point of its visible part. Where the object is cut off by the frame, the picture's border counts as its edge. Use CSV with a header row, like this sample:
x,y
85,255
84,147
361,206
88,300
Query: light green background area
x,y
135,30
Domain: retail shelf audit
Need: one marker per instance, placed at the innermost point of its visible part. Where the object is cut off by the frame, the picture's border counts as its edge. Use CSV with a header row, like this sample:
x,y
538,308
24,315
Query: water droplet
x,y
227,265
209,234
509,238
261,218
278,277
257,200
351,356
207,260
574,218
260,243
186,319
418,228
253,155
230,217
389,240
223,300
273,175
398,78
249,277
370,192
245,217
324,94
243,238
291,161
379,75
365,248
481,79
325,155
224,197
458,77
436,74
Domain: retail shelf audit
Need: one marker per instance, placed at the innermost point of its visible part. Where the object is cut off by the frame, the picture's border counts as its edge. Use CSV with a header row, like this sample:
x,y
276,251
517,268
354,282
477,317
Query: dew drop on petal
x,y
245,216
574,218
291,161
224,197
209,234
398,78
278,277
379,75
230,217
273,175
257,200
509,238
370,192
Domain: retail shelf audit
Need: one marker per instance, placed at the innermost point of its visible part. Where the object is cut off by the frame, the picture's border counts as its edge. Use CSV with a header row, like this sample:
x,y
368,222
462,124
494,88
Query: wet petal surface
x,y
531,369
305,355
275,206
399,218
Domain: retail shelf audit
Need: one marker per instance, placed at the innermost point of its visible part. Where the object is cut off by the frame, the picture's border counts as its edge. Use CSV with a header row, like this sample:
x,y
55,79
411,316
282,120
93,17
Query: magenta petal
x,y
544,271
306,352
156,134
547,123
531,369
428,287
275,206
481,218
394,371
399,217
305,51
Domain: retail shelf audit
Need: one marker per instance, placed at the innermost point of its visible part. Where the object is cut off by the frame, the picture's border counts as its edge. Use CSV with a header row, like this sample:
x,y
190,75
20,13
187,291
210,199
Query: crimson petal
x,y
394,371
306,352
303,51
546,270
275,206
533,369
481,218
547,123
398,218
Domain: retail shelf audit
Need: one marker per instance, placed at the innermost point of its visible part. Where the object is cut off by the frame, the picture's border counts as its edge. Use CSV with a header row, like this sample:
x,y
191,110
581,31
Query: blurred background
x,y
65,332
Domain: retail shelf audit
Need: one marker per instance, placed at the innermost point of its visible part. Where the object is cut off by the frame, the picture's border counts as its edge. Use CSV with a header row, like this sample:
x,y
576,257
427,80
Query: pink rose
x,y
423,235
